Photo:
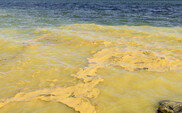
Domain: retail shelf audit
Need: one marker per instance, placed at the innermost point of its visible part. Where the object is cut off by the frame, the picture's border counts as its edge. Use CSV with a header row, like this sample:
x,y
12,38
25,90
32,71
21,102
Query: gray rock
x,y
168,106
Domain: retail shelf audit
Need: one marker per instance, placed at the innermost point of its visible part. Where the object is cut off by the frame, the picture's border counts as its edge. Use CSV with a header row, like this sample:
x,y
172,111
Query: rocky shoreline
x,y
168,106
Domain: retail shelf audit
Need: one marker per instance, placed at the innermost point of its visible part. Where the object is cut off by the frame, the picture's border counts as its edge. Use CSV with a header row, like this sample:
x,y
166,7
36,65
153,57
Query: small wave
x,y
6,15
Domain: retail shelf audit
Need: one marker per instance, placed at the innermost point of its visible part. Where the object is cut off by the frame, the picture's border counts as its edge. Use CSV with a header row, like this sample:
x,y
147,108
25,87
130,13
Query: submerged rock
x,y
168,106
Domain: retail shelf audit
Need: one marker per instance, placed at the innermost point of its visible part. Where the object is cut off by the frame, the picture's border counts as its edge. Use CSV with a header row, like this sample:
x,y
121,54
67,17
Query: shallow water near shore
x,y
90,68
89,57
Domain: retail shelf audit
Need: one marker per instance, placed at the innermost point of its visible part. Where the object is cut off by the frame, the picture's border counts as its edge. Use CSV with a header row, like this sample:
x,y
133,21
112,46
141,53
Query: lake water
x,y
89,56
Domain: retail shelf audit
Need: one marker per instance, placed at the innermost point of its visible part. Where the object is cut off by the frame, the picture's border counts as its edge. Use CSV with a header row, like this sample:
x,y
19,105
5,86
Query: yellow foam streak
x,y
131,58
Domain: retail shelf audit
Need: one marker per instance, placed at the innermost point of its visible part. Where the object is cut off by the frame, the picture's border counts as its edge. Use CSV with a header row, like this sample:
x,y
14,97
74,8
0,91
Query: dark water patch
x,y
152,12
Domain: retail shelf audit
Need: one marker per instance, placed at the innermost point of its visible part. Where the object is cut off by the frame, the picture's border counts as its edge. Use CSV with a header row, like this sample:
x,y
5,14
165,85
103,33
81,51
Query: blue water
x,y
27,13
